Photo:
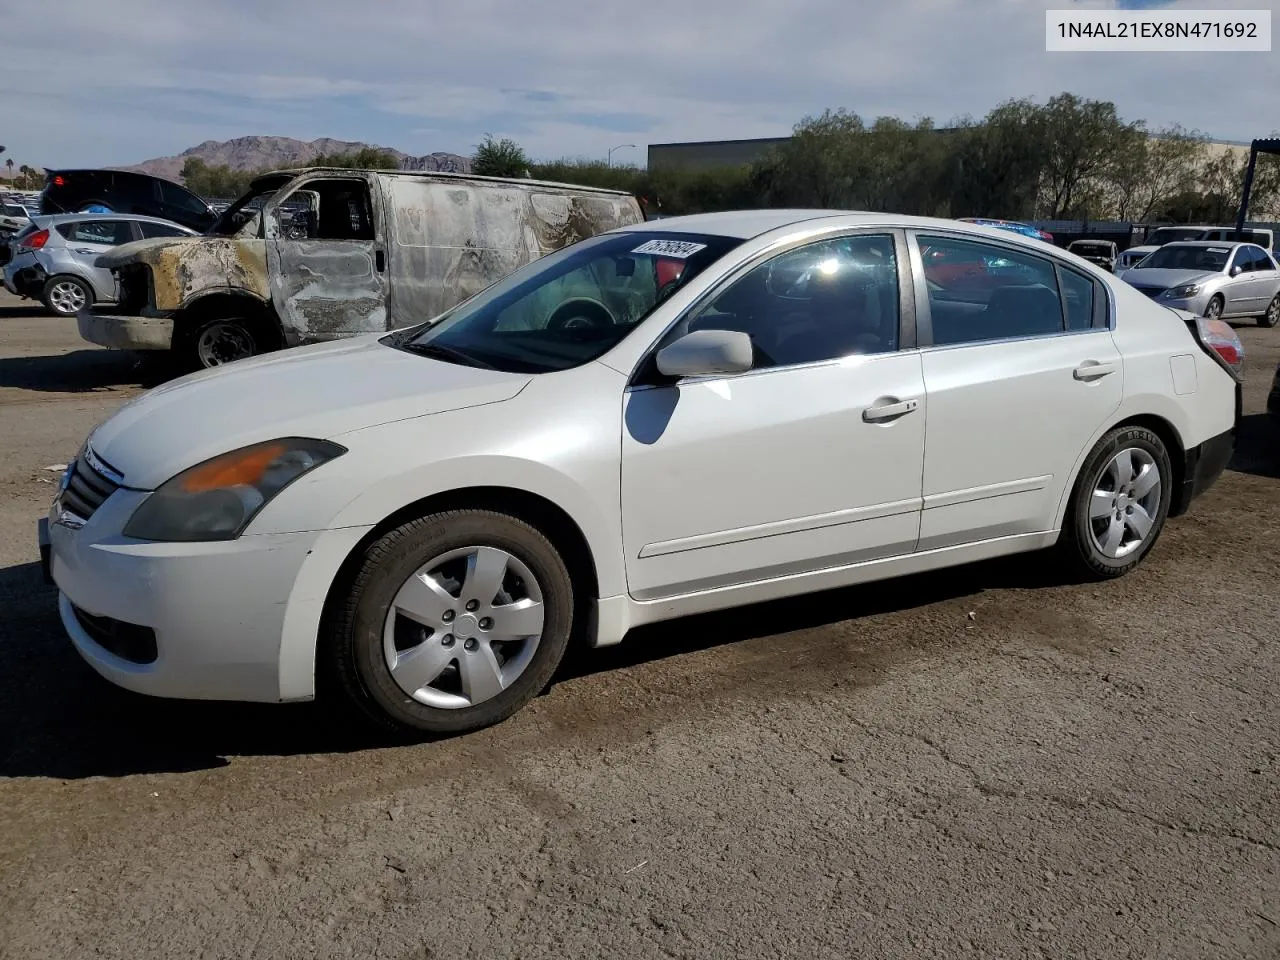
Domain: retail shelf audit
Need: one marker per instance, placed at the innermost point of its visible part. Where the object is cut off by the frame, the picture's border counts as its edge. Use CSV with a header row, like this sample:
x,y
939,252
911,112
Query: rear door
x,y
327,259
1018,379
86,241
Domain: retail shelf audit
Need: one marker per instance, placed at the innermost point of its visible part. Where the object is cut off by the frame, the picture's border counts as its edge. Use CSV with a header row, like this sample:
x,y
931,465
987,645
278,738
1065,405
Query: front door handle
x,y
889,411
1092,370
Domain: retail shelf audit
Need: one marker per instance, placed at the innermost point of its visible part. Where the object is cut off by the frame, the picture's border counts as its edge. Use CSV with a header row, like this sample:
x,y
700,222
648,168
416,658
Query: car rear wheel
x,y
1272,316
453,622
1214,310
66,295
1120,503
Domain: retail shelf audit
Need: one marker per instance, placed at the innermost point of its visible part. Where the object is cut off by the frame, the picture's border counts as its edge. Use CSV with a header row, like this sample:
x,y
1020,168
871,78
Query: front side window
x,y
109,232
568,307
1243,259
987,292
328,210
825,300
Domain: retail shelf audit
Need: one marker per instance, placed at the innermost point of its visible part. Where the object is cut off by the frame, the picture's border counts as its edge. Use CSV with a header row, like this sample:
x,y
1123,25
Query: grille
x,y
87,489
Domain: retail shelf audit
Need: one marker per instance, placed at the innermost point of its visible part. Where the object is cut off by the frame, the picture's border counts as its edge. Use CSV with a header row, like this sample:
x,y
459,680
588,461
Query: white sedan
x,y
670,418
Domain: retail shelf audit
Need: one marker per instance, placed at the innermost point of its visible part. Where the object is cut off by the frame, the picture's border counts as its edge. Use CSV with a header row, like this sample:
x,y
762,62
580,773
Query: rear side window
x,y
109,232
175,196
980,291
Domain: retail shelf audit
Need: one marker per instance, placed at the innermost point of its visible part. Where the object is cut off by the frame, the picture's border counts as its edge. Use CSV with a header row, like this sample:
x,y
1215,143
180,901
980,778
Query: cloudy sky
x,y
107,83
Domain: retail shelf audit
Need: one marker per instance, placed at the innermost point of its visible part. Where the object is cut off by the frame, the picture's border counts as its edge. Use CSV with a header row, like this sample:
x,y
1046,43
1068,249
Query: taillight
x,y
59,182
35,241
1221,342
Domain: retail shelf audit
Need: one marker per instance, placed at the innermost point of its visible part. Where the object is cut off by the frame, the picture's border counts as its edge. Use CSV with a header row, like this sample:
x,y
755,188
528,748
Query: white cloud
x,y
139,78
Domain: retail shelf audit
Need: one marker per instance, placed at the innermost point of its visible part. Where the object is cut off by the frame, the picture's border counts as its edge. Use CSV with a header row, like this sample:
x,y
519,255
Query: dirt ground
x,y
979,763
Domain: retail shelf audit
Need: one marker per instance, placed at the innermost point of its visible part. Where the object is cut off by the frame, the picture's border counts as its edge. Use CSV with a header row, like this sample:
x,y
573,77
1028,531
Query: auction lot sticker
x,y
1157,31
680,249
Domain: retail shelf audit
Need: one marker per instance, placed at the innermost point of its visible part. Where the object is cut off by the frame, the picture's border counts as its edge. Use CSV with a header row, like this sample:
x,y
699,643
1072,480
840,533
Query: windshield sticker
x,y
680,249
1219,250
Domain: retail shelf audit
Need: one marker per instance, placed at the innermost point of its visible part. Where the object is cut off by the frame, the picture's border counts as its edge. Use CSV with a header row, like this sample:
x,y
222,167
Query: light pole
x,y
620,146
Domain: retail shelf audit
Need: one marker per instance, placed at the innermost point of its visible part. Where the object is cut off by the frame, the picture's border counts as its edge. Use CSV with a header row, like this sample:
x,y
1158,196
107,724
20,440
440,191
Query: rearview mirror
x,y
705,353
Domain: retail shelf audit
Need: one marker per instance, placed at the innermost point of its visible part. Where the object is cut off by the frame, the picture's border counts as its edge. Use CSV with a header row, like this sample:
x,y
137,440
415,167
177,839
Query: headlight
x,y
1182,292
215,500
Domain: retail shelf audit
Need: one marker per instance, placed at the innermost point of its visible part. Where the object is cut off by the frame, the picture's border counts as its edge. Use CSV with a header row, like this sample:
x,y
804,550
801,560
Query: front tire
x,y
1216,305
1272,316
452,622
216,341
1119,505
66,295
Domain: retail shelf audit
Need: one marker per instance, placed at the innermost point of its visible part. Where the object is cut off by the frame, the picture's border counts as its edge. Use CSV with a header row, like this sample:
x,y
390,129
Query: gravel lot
x,y
979,763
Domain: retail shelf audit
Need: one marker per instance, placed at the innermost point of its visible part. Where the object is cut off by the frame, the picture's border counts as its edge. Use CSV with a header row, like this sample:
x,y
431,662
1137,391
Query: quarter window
x,y
821,301
1077,295
980,291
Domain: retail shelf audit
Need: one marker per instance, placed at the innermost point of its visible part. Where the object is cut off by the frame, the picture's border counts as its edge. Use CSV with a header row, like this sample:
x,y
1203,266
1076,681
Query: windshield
x,y
232,220
568,307
1177,256
1173,235
1086,246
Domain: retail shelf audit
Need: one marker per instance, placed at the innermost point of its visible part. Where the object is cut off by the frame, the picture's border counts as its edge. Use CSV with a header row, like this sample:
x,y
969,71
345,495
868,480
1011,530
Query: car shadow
x,y
33,309
1257,446
82,371
60,719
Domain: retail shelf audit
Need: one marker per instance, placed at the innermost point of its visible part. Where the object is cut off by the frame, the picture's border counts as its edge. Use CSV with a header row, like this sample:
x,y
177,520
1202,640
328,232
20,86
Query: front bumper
x,y
233,620
125,333
1204,464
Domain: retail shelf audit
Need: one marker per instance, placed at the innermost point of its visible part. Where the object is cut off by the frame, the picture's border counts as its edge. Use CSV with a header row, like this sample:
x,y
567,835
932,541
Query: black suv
x,y
123,191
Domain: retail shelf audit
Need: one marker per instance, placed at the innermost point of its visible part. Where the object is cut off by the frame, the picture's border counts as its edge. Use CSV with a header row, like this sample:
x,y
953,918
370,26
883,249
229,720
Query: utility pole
x,y
609,161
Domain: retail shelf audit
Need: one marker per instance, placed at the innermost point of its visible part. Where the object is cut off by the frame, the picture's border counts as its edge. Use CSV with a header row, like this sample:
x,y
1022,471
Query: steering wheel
x,y
580,312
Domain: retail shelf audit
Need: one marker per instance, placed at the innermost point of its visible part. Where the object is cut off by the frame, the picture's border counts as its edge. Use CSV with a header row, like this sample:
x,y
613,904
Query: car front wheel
x,y
1120,503
452,622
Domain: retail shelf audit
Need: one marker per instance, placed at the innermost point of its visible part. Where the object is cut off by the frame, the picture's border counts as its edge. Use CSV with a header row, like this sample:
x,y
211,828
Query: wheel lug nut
x,y
486,623
473,604
471,644
447,616
447,640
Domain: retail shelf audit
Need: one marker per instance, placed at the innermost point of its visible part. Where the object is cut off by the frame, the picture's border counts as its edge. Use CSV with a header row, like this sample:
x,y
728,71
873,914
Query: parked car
x,y
1102,253
320,254
54,259
1026,229
1213,279
124,191
1262,236
14,216
428,516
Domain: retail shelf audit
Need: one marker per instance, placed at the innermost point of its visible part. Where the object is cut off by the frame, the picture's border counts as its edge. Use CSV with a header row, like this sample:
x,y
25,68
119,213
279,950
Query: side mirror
x,y
1235,271
705,353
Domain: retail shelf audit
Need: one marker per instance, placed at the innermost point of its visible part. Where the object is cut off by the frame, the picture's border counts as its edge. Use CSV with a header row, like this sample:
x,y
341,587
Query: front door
x,y
809,461
327,260
1018,382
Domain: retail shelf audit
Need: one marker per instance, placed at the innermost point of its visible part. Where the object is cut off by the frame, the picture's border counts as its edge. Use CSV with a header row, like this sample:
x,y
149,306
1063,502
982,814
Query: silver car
x,y
53,259
1212,280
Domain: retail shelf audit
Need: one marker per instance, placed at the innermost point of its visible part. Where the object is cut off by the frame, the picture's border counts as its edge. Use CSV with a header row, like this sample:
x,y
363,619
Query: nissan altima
x,y
670,418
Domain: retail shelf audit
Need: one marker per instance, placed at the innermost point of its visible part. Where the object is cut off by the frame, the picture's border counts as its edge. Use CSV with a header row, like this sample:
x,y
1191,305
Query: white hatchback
x,y
669,418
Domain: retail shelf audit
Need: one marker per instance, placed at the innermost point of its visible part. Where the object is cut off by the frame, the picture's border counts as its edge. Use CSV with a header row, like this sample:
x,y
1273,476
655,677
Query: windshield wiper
x,y
439,351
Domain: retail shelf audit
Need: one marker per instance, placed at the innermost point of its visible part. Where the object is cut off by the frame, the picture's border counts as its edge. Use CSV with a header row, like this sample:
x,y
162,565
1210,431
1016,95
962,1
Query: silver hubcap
x,y
222,343
1125,502
1273,311
463,628
67,297
1215,308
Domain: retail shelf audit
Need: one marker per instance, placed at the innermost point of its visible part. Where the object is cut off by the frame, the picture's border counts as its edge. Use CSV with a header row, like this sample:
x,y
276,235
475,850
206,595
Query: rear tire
x,y
463,656
1119,505
1272,316
66,295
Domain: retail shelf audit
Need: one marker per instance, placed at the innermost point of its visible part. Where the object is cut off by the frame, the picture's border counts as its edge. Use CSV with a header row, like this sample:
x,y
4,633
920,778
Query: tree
x,y
1081,138
9,165
499,158
1152,170
366,158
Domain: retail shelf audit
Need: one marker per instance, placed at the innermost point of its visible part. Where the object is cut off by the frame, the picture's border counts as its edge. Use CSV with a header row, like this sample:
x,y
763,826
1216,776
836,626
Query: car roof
x,y
56,218
1211,243
439,175
748,224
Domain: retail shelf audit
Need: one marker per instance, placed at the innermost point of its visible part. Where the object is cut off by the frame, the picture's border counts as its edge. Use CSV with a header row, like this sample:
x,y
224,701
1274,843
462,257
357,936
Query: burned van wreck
x,y
324,253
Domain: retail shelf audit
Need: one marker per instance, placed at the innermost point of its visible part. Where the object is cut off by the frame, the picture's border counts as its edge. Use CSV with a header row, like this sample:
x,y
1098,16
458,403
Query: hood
x,y
141,251
1164,278
321,392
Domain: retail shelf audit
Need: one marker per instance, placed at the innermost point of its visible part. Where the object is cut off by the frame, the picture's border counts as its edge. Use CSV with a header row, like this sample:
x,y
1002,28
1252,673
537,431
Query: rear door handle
x,y
1093,370
889,411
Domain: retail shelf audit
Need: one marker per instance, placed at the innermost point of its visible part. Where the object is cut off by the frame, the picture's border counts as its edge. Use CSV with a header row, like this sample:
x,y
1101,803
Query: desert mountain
x,y
259,153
